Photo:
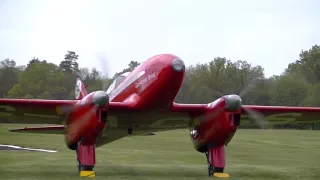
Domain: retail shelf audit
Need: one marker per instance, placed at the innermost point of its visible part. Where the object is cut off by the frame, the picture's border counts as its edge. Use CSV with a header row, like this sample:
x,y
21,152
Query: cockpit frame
x,y
118,80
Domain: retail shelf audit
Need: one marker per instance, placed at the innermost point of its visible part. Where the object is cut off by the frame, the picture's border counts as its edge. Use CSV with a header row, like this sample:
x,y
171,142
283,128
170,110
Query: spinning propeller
x,y
104,62
234,103
100,99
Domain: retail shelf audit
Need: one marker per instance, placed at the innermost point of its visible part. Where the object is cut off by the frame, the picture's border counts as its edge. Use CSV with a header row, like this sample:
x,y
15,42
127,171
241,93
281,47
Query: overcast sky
x,y
269,33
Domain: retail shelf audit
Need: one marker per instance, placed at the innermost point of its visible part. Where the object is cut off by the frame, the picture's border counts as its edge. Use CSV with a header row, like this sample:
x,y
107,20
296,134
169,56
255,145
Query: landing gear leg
x,y
216,162
78,163
86,158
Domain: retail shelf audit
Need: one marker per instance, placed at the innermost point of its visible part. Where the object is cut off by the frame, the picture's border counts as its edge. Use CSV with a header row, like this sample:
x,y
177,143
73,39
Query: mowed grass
x,y
252,154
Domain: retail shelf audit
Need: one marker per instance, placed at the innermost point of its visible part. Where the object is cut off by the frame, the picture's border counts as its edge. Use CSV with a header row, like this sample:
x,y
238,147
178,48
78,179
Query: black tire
x,y
212,170
73,147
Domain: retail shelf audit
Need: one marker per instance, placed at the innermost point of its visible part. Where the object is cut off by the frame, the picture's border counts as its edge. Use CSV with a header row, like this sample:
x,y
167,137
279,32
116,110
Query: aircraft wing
x,y
282,114
44,112
272,114
40,111
32,111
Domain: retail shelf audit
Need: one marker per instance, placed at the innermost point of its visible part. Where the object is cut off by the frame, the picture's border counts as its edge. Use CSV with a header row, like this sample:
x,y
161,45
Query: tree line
x,y
298,85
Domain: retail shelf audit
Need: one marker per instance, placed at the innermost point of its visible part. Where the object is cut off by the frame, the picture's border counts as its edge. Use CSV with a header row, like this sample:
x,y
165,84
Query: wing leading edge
x,y
273,114
32,111
284,114
40,111
37,111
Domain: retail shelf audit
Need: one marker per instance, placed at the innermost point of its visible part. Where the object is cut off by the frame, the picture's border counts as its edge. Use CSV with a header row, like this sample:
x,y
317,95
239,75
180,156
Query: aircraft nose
x,y
177,65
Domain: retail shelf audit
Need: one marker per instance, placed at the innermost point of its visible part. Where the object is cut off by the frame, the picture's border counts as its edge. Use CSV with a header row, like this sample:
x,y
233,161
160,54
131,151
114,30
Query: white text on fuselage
x,y
146,79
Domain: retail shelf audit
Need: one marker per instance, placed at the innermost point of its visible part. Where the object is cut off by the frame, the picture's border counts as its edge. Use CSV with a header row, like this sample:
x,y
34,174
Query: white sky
x,y
269,33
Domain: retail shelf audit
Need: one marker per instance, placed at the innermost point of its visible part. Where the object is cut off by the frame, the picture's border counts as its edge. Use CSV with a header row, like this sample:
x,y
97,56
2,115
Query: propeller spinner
x,y
234,103
101,99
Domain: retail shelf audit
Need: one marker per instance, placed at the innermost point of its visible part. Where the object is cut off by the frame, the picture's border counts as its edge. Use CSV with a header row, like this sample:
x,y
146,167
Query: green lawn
x,y
252,154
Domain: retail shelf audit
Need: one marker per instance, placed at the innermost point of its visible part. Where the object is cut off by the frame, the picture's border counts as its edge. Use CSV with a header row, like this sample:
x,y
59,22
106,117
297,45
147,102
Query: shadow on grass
x,y
132,172
115,172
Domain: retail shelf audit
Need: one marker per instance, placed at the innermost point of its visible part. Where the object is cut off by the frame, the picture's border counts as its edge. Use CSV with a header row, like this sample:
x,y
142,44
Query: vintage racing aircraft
x,y
139,102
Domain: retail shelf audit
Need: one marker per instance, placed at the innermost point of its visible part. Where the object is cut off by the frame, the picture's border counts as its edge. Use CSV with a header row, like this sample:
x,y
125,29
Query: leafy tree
x,y
39,80
34,60
92,79
131,66
289,90
308,65
313,98
9,74
70,64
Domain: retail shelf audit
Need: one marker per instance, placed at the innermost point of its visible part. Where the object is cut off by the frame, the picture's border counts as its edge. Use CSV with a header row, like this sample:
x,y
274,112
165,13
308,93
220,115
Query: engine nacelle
x,y
86,122
216,128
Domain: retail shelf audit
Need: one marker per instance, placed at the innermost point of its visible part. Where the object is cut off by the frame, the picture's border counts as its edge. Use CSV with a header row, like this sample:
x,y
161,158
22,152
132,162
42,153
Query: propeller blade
x,y
67,110
82,118
64,109
104,62
207,117
257,118
214,92
252,84
77,125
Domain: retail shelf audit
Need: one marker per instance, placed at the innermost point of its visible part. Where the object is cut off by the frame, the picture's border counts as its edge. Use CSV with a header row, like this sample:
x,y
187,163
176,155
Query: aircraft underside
x,y
117,129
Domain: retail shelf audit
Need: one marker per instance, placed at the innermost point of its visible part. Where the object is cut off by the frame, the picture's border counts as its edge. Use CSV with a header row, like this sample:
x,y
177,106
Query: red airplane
x,y
140,102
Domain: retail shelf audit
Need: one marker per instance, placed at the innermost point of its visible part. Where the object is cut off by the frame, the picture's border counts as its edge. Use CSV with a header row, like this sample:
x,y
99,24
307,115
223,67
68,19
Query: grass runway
x,y
252,154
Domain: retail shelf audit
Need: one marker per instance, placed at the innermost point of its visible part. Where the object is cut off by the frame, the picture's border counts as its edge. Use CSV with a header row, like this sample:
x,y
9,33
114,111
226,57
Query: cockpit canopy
x,y
117,81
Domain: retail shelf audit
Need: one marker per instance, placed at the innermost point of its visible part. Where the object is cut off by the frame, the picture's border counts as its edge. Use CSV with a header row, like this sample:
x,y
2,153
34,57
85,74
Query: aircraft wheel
x,y
212,170
73,146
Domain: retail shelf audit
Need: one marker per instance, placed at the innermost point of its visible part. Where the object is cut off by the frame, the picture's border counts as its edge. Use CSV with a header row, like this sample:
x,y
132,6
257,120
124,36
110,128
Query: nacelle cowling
x,y
87,119
217,126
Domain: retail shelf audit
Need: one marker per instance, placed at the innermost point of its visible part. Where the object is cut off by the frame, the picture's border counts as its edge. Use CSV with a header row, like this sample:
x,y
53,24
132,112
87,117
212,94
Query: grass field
x,y
252,154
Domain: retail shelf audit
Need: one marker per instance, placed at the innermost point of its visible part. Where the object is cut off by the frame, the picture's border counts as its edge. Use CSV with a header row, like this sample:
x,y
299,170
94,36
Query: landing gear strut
x,y
86,159
216,162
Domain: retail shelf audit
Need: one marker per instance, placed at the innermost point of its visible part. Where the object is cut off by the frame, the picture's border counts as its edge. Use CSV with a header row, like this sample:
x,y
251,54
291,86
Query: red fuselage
x,y
154,84
151,89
